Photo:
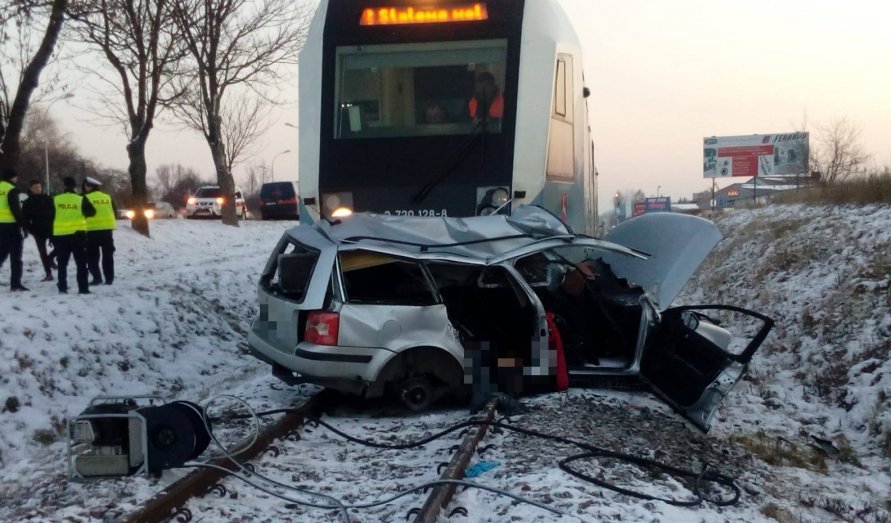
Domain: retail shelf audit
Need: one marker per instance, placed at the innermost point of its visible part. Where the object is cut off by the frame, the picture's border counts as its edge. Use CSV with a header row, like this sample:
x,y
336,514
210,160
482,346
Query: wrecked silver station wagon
x,y
426,307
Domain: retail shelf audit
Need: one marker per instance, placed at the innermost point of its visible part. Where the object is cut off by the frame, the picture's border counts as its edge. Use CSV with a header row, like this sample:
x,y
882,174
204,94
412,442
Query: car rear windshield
x,y
277,191
293,270
208,192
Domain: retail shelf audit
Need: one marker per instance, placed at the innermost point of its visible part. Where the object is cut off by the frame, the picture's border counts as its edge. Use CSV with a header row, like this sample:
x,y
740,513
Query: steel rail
x,y
442,495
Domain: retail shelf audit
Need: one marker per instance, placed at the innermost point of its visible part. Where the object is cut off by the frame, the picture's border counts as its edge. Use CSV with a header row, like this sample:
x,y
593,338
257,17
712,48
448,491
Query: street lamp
x,y
66,96
658,190
274,158
291,125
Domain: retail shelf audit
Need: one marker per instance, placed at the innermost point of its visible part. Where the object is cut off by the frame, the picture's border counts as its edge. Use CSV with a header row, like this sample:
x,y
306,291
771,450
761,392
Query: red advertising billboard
x,y
755,155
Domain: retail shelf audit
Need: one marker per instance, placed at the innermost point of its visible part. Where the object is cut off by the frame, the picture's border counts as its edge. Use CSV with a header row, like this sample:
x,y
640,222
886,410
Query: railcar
x,y
444,108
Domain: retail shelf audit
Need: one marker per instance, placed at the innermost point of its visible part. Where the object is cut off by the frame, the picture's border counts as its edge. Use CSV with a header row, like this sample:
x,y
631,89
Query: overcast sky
x,y
663,75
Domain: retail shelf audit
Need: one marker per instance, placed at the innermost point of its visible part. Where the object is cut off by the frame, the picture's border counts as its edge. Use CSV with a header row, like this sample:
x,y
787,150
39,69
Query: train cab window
x,y
423,89
561,142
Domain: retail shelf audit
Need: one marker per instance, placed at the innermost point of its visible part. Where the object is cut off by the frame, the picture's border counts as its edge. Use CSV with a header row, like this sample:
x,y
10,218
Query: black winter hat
x,y
69,182
9,173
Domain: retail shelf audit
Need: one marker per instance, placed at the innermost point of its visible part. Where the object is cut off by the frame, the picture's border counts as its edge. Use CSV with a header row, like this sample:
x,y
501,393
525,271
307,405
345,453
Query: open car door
x,y
692,362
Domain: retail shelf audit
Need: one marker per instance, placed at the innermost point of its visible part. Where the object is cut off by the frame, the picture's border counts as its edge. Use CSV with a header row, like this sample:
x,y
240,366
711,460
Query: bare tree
x,y
257,175
136,40
839,153
12,114
176,183
234,44
243,120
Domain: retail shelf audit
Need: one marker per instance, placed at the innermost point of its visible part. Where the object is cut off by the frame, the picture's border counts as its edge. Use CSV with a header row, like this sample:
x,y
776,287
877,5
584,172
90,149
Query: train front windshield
x,y
418,89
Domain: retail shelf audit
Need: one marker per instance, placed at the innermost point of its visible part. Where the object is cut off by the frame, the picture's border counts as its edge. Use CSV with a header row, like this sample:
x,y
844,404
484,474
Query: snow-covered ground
x,y
174,325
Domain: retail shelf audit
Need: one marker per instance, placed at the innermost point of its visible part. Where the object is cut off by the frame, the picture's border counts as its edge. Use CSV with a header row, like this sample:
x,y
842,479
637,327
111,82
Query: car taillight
x,y
322,328
287,202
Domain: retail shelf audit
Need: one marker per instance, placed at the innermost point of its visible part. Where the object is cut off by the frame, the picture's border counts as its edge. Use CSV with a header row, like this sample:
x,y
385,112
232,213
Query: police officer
x,y
38,212
100,239
13,230
69,234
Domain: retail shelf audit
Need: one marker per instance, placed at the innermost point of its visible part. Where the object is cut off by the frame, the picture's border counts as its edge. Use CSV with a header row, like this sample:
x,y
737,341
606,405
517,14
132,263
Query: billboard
x,y
660,204
755,155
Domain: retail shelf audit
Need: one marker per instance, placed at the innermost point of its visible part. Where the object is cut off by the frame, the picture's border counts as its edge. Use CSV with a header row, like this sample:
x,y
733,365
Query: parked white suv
x,y
208,202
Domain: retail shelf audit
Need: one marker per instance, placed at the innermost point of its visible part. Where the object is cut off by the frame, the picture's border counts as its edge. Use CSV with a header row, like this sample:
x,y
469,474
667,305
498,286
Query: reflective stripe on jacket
x,y
5,212
496,108
104,218
69,214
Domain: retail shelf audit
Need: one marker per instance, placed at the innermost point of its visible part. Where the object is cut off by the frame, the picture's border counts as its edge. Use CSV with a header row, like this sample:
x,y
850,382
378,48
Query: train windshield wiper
x,y
448,167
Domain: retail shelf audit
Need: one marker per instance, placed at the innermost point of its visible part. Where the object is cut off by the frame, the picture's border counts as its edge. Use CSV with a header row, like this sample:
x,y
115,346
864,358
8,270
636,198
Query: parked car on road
x,y
279,200
153,210
207,202
421,307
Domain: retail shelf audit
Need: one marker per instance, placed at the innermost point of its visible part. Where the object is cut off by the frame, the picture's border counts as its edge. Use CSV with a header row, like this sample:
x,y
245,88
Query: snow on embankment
x,y
173,325
824,275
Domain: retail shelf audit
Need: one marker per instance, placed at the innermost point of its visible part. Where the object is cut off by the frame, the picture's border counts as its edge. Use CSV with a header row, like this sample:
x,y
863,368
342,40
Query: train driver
x,y
487,95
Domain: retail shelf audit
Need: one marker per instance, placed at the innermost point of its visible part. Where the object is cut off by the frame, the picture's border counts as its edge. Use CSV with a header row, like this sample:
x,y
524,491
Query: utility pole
x,y
66,96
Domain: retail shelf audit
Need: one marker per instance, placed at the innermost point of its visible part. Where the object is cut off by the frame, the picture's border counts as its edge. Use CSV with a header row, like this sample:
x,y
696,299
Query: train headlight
x,y
500,196
337,202
491,199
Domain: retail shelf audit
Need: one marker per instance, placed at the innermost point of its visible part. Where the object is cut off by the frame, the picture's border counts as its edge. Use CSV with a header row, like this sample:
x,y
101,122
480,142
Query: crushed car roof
x,y
484,238
658,251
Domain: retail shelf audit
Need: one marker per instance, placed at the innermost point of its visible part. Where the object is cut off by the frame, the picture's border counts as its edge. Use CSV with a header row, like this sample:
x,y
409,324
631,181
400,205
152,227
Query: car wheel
x,y
417,393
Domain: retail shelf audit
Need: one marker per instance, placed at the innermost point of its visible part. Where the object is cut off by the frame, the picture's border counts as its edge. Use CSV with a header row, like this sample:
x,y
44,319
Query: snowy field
x,y
174,325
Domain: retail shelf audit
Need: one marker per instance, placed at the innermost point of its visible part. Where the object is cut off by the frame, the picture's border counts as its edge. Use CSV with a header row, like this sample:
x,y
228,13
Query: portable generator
x,y
127,435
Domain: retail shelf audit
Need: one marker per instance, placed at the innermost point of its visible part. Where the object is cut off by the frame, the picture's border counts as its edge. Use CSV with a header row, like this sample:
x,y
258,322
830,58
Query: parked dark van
x,y
279,200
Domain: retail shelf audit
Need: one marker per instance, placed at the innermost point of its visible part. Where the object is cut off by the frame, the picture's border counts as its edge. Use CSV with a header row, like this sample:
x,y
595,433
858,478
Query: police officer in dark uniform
x,y
38,212
69,234
100,233
13,229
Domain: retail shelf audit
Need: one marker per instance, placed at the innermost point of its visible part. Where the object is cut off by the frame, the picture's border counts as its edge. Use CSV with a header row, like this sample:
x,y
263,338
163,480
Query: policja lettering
x,y
100,233
69,234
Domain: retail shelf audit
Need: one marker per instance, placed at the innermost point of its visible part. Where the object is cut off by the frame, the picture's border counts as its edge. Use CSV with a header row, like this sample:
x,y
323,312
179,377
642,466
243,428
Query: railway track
x,y
170,504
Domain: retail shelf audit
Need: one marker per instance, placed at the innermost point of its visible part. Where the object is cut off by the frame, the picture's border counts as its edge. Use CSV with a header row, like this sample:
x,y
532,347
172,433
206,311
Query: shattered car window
x,y
293,271
598,315
371,277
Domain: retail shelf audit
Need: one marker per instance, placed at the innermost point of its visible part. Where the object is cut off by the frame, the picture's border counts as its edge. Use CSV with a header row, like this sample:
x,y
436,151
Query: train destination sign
x,y
425,14
755,155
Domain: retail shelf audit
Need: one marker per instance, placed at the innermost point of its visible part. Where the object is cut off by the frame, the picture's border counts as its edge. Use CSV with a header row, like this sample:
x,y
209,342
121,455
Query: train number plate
x,y
416,212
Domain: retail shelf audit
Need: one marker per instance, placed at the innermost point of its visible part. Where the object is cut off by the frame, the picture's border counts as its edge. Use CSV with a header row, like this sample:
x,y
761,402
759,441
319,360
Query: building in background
x,y
753,191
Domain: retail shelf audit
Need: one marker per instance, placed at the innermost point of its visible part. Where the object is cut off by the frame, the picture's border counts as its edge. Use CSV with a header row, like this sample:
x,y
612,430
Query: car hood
x,y
674,244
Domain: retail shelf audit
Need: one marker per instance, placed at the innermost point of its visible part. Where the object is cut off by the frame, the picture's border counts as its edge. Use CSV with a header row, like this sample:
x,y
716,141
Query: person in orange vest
x,y
70,213
487,101
100,233
12,228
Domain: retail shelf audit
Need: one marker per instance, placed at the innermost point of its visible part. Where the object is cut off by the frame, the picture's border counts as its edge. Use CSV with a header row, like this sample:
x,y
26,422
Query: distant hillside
x,y
824,274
